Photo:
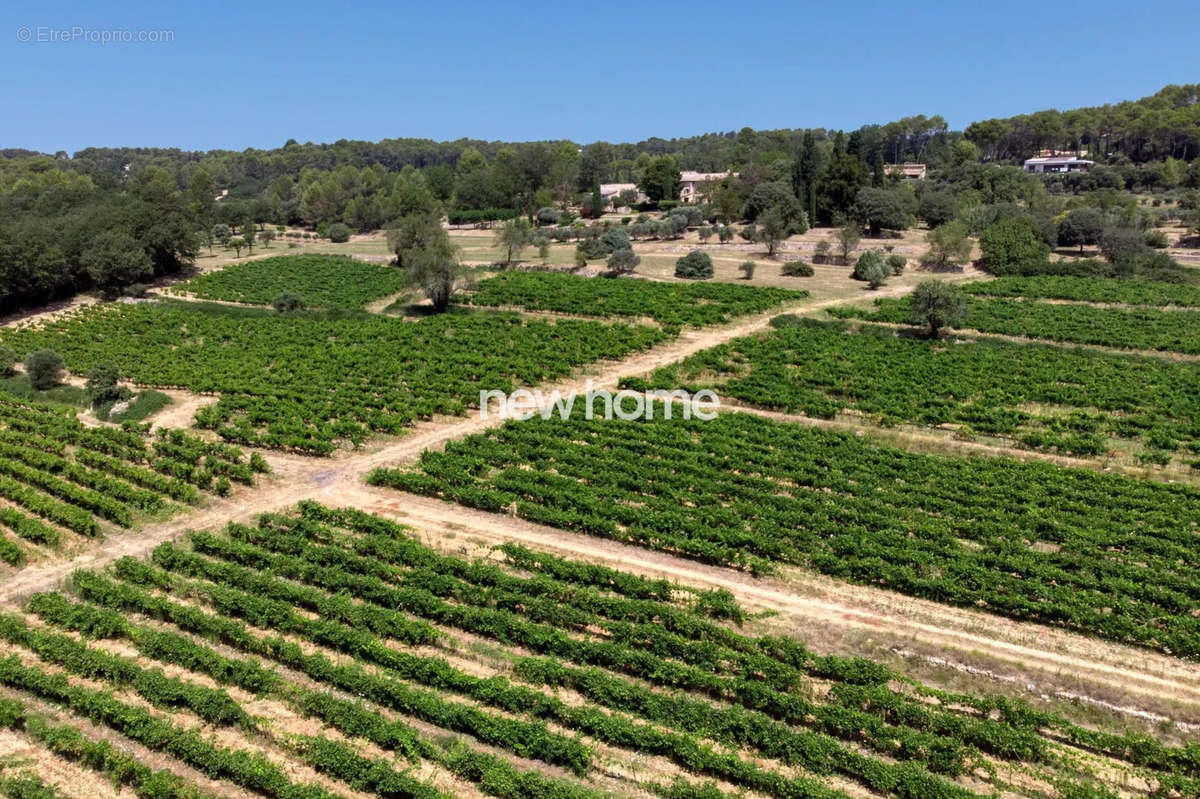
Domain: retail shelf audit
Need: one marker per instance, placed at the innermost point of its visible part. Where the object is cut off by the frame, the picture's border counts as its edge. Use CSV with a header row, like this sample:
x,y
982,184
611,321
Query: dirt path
x,y
297,477
970,332
1050,661
942,441
182,410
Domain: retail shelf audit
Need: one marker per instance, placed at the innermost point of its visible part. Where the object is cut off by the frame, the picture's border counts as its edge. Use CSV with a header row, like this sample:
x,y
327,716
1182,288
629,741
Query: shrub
x,y
8,359
880,208
949,246
615,239
938,206
1122,244
896,262
747,269
339,233
136,290
480,216
871,268
672,226
1013,246
796,269
749,233
591,248
547,216
623,261
288,301
44,369
102,384
1156,239
696,265
725,234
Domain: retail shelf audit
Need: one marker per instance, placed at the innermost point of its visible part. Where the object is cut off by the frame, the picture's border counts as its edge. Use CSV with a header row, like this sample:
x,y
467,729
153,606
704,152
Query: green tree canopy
x,y
1013,246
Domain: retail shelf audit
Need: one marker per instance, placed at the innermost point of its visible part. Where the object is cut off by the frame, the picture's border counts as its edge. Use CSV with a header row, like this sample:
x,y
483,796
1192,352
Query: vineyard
x,y
239,660
985,386
1089,289
1096,553
308,382
696,303
322,281
60,479
1127,328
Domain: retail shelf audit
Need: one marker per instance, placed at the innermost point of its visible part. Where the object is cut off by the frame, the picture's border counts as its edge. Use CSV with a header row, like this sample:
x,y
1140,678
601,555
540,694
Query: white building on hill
x,y
693,184
1058,163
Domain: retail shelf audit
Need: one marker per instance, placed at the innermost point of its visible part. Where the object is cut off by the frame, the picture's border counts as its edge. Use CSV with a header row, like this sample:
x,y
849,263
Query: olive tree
x,y
949,246
513,237
696,265
879,208
1081,226
623,261
103,384
425,254
848,237
773,229
435,269
44,368
1013,246
8,359
937,304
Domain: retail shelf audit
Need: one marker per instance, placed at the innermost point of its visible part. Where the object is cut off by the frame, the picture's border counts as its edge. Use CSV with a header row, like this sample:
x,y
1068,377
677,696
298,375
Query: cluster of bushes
x,y
1017,245
552,216
724,233
612,244
874,268
480,217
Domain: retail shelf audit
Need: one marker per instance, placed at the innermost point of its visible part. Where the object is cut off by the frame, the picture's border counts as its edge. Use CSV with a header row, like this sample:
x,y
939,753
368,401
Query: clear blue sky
x,y
245,74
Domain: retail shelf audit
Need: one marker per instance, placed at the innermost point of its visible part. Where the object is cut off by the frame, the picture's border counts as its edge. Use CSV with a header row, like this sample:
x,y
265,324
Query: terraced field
x,y
1043,397
60,480
1089,289
238,663
685,303
1166,331
318,654
1106,555
312,382
322,281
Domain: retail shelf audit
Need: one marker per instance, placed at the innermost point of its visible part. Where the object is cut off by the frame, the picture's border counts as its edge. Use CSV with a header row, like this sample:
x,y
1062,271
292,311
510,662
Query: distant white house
x,y
1058,163
692,190
908,170
609,191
